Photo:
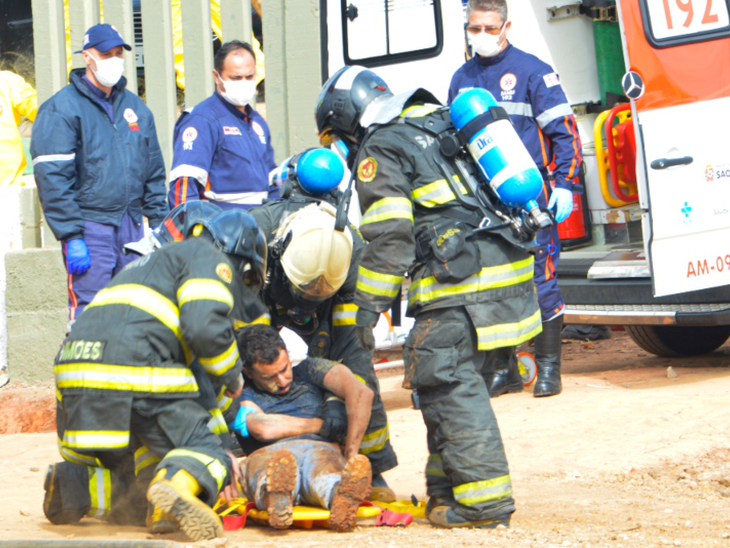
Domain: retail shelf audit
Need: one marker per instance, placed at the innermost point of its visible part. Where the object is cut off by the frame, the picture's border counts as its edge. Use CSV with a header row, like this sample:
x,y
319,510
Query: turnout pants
x,y
171,434
466,461
375,443
319,471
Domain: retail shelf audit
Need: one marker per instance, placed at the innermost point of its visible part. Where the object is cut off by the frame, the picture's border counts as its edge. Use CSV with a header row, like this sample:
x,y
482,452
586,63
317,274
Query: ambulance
x,y
648,244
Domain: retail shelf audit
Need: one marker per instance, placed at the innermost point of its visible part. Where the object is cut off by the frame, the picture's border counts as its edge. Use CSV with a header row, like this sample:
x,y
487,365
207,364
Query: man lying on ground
x,y
280,427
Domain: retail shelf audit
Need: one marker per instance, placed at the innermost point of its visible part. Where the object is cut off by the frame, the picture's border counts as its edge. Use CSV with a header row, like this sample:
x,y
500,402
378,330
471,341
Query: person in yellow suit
x,y
17,98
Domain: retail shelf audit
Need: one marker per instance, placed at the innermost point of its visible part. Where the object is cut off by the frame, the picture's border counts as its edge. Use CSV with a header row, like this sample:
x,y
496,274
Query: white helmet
x,y
317,257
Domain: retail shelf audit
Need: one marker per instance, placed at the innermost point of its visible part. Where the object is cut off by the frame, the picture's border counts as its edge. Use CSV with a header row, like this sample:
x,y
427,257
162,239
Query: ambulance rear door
x,y
678,53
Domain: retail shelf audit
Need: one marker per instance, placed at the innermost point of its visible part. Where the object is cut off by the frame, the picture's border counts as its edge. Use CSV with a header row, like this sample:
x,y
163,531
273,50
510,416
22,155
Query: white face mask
x,y
239,93
486,45
108,71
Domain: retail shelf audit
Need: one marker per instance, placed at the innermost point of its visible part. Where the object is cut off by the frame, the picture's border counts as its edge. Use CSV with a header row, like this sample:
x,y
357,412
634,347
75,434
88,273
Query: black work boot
x,y
506,378
547,357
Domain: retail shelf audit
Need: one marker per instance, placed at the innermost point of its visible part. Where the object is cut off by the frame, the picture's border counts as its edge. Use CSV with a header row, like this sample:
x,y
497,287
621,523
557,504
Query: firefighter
x,y
310,290
469,296
530,91
17,98
124,374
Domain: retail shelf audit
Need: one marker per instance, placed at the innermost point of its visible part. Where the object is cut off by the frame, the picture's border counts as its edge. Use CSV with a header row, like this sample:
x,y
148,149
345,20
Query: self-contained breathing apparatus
x,y
501,197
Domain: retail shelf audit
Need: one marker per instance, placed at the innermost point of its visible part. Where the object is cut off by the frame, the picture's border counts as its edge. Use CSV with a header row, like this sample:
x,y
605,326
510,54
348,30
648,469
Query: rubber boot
x,y
159,522
351,491
446,516
281,481
547,356
507,378
177,493
53,507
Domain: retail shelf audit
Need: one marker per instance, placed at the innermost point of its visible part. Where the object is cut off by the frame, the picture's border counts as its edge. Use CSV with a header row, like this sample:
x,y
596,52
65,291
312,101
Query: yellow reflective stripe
x,y
77,458
436,193
478,492
374,441
490,277
418,111
200,289
224,402
264,319
144,458
435,466
148,300
217,423
509,334
215,467
59,396
217,365
375,283
96,439
100,490
344,314
124,377
387,209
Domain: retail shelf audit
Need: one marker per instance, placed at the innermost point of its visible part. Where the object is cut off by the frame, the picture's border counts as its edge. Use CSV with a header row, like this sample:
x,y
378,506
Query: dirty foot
x,y
281,478
353,488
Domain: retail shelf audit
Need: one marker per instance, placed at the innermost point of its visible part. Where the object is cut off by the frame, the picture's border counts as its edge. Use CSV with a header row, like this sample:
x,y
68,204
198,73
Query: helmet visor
x,y
317,290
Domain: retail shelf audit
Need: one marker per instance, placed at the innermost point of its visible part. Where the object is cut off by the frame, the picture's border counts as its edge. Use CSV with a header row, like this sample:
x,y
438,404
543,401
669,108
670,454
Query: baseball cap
x,y
103,37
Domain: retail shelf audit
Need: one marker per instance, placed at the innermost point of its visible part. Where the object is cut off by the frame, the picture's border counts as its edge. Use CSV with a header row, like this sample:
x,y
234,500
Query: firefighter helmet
x,y
344,98
179,223
315,257
236,234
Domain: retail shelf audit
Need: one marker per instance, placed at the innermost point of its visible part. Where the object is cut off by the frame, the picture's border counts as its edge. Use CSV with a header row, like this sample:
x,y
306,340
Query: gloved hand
x,y
78,259
365,320
563,198
334,420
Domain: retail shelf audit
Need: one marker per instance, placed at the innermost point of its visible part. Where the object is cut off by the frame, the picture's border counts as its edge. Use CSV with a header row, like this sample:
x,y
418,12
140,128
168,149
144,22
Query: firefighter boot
x,y
159,522
53,507
547,357
446,516
352,489
507,378
380,491
175,492
281,481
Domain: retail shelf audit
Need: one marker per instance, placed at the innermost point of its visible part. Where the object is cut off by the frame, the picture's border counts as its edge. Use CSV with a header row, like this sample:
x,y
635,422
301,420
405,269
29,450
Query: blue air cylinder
x,y
317,170
498,150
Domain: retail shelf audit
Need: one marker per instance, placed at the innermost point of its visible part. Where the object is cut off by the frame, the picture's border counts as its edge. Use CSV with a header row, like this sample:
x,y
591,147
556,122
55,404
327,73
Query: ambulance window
x,y
381,32
675,22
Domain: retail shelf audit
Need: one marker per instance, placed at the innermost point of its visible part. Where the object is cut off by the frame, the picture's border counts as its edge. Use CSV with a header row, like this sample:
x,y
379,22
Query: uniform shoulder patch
x,y
189,135
551,80
224,272
367,169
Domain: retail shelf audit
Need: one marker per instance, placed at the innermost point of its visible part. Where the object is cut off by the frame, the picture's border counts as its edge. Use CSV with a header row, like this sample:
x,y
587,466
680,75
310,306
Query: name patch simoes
x,y
88,351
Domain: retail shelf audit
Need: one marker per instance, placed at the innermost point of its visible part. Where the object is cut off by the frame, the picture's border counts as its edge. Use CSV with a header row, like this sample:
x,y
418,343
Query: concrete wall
x,y
37,312
33,308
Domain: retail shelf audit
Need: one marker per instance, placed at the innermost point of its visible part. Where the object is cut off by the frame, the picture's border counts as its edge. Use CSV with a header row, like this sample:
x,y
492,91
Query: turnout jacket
x,y
91,167
404,194
530,91
139,336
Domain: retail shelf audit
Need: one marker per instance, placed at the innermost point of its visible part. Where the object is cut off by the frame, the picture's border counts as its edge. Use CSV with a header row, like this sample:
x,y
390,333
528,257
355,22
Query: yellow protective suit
x,y
17,98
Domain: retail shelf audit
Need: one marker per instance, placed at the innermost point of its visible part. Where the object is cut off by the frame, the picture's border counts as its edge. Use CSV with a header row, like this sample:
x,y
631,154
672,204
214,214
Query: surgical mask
x,y
485,44
239,93
108,71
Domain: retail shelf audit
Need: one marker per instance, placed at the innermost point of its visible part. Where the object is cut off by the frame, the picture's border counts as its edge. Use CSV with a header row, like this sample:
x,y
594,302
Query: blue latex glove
x,y
78,259
239,423
563,198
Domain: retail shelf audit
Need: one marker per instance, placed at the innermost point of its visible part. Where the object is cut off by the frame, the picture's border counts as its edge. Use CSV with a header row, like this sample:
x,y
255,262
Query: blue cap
x,y
103,37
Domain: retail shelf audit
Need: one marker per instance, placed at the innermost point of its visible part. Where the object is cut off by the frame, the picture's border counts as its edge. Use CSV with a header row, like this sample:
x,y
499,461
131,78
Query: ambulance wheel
x,y
672,341
528,367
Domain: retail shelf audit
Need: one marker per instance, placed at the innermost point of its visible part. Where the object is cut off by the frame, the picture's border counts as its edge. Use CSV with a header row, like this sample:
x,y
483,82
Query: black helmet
x,y
179,223
236,234
344,98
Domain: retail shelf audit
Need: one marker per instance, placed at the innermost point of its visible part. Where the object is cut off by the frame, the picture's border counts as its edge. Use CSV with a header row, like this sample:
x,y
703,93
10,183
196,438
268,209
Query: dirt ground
x,y
631,454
